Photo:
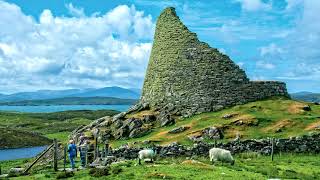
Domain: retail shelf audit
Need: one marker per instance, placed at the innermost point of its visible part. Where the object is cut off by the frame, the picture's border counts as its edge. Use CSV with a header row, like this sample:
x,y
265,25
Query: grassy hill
x,y
10,138
276,117
72,101
14,125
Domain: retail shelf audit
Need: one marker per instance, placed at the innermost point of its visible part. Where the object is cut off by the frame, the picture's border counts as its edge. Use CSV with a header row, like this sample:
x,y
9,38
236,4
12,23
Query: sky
x,y
46,44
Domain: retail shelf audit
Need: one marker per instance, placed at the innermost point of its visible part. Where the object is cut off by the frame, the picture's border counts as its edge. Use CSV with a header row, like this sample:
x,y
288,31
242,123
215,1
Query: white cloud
x,y
265,65
74,11
271,49
75,52
303,44
254,5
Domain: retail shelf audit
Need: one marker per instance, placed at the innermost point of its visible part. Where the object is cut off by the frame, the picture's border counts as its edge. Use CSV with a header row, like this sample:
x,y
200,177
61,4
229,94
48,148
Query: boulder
x,y
165,119
212,133
178,129
138,107
13,172
117,124
196,138
149,118
135,123
228,116
106,122
119,116
138,132
121,132
106,135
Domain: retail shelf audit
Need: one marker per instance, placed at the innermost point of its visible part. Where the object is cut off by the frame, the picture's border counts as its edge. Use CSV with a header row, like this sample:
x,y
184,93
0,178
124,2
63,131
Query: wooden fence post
x,y
55,155
38,158
95,148
64,158
272,148
86,164
106,147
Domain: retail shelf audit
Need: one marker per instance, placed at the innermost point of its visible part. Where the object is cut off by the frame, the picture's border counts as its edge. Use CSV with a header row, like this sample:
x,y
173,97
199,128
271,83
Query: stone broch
x,y
191,77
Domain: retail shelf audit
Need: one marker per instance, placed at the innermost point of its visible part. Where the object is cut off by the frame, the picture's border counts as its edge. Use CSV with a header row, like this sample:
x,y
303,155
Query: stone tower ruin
x,y
189,77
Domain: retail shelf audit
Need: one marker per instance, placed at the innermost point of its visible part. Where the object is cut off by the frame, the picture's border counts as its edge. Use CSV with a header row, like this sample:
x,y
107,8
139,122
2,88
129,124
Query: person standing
x,y
72,151
83,148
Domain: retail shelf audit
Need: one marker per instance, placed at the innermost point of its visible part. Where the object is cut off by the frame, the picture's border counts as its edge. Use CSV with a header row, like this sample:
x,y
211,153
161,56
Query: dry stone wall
x,y
191,77
303,144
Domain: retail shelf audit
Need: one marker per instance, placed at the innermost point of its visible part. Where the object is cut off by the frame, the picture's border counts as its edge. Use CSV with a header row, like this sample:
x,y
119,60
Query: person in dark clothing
x,y
83,148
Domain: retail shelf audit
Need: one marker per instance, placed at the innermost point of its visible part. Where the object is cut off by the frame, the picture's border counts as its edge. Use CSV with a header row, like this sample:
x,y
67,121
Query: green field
x,y
275,117
25,129
286,166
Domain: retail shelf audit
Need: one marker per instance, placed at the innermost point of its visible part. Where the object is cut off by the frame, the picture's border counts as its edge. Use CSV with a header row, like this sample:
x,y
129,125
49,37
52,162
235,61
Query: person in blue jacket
x,y
72,151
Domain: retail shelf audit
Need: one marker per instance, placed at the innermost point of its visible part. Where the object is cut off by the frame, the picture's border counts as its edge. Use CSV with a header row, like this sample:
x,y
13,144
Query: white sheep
x,y
147,154
217,154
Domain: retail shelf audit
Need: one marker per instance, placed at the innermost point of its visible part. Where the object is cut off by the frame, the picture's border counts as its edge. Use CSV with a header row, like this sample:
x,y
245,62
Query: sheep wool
x,y
146,154
218,154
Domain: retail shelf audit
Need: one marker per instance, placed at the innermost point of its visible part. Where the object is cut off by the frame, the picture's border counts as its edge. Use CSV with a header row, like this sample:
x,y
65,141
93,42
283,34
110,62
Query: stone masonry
x,y
191,77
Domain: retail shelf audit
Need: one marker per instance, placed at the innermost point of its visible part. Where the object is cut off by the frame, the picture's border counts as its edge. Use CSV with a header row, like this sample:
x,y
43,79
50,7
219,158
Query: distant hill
x,y
136,90
72,101
306,96
115,92
41,94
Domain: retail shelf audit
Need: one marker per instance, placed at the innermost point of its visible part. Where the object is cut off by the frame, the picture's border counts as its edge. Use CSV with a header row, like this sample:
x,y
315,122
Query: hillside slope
x,y
10,138
27,129
276,117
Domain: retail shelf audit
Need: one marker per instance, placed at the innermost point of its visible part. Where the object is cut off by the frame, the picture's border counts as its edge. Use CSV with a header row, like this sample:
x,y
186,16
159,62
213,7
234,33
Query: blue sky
x,y
93,43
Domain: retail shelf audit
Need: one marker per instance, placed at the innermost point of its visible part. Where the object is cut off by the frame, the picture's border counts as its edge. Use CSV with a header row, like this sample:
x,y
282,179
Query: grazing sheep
x,y
146,154
217,154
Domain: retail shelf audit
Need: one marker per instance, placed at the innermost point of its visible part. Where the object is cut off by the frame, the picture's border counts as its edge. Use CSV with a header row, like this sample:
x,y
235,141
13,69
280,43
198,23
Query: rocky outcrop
x,y
212,133
178,130
190,77
184,77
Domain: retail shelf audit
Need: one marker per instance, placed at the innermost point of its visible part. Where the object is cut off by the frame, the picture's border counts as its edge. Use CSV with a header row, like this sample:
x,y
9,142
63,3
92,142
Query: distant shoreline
x,y
72,101
61,108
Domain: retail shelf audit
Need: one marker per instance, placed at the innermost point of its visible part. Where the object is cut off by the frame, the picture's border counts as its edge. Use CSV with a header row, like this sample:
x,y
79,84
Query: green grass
x,y
6,165
52,125
61,136
286,166
276,117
